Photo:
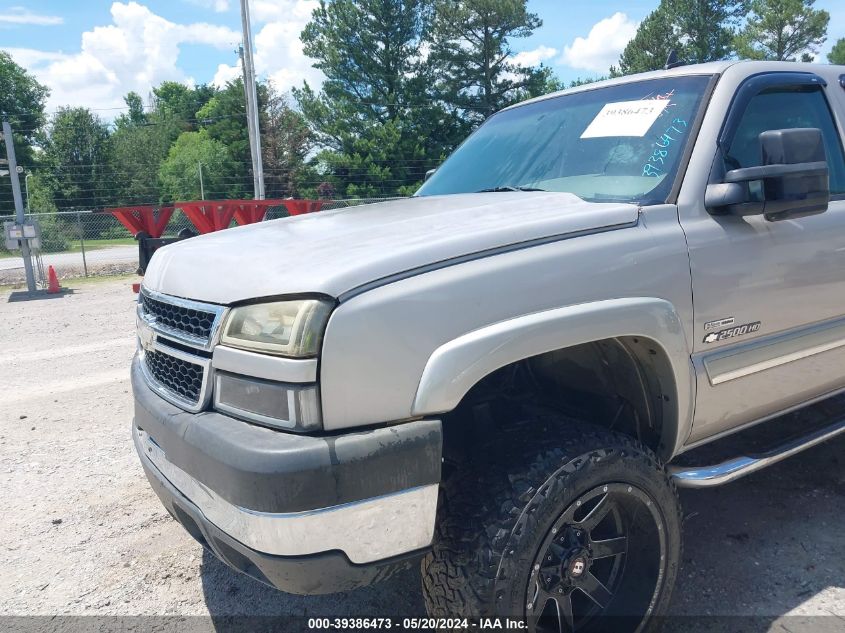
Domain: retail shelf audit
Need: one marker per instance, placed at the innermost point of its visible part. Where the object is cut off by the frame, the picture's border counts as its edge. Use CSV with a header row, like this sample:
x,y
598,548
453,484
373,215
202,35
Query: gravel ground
x,y
85,535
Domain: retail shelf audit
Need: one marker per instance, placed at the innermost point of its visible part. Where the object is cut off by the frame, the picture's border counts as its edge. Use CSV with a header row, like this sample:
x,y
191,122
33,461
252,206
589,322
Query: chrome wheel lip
x,y
534,590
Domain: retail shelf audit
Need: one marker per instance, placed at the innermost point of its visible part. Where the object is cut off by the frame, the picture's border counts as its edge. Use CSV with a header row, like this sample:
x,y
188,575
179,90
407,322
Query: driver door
x,y
769,296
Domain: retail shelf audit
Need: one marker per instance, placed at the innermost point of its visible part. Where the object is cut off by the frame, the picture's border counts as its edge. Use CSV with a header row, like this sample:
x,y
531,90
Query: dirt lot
x,y
84,534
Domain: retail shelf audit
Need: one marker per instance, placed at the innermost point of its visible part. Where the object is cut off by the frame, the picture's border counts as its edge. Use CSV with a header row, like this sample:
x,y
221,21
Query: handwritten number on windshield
x,y
657,160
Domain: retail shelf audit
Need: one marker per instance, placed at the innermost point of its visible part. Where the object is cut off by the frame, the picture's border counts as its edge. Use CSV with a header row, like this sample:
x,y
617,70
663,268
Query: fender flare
x,y
457,365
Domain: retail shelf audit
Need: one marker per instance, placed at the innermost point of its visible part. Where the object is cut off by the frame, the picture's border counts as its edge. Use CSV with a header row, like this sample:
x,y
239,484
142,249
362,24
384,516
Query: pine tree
x,y
837,53
472,56
783,30
656,37
698,30
374,115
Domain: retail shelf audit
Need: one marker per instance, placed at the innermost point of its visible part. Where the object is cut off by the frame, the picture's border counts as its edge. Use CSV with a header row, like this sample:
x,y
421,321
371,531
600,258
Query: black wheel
x,y
576,531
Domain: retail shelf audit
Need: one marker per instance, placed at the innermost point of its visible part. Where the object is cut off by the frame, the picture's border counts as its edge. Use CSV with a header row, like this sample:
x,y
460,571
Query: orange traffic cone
x,y
52,281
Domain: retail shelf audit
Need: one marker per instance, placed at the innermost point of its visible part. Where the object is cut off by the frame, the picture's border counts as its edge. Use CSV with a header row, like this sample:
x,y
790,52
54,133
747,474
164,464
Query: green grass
x,y
76,282
94,245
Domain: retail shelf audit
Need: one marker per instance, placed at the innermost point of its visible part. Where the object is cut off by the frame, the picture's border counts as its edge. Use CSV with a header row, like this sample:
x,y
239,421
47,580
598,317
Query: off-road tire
x,y
497,508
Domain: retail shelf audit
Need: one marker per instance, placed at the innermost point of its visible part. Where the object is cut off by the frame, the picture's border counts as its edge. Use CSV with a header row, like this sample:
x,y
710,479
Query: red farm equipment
x,y
147,223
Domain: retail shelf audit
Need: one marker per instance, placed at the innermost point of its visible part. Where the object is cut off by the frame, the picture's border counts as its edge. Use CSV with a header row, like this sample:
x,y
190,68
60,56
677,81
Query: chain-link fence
x,y
86,243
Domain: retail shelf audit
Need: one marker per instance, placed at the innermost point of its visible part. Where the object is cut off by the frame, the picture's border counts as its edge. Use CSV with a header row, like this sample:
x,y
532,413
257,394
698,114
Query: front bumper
x,y
305,514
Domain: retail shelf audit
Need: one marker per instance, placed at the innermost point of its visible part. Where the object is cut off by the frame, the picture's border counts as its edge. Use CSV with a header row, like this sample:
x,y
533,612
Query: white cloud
x,y
137,51
21,15
602,46
225,74
30,57
278,49
534,57
218,6
298,11
140,49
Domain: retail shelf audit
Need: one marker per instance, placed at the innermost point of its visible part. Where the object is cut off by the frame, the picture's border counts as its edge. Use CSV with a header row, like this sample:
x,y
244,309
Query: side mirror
x,y
429,174
793,177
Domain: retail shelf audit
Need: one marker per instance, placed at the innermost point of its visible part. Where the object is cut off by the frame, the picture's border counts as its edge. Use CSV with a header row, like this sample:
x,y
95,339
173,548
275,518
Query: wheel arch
x,y
648,329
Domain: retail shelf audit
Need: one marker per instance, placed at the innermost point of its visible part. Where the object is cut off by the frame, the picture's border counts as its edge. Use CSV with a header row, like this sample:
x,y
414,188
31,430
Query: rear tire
x,y
512,532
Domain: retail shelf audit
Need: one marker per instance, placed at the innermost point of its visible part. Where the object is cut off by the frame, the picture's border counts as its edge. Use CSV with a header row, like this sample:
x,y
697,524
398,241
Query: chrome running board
x,y
708,476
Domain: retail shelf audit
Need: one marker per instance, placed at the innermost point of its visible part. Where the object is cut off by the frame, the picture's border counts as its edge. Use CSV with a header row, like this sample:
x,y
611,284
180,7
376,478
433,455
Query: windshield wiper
x,y
508,188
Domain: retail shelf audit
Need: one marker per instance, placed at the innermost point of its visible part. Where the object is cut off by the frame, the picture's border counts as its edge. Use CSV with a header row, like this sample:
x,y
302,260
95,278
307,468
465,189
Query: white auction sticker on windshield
x,y
625,118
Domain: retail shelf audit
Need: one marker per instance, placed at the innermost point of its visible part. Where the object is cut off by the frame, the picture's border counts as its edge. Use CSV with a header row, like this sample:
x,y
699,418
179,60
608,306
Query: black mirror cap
x,y
795,145
798,195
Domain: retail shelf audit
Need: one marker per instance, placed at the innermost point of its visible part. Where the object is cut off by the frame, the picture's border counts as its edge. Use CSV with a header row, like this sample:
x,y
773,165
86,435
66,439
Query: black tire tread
x,y
481,503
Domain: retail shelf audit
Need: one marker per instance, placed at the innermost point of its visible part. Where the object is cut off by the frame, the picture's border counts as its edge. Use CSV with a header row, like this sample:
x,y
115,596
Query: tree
x,y
175,107
138,152
180,102
139,145
655,38
224,117
369,51
286,143
77,156
837,53
180,176
56,232
706,28
367,168
22,99
782,30
473,59
376,88
581,81
135,114
698,30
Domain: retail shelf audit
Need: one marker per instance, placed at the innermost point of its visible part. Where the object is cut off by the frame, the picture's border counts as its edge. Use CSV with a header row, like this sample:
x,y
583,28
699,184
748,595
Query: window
x,y
783,108
575,143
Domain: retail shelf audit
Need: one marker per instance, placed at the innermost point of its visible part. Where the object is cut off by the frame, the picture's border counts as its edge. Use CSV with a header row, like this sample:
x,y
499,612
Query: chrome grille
x,y
188,322
178,376
176,337
194,322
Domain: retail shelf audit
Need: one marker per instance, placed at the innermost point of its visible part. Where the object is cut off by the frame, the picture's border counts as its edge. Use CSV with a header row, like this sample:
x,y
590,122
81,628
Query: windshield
x,y
620,143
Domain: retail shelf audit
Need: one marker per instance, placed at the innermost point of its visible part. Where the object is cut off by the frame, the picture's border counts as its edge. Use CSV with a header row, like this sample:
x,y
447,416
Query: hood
x,y
332,252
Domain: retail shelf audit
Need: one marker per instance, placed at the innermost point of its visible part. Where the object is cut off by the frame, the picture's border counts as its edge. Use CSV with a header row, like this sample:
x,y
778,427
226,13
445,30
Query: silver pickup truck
x,y
504,376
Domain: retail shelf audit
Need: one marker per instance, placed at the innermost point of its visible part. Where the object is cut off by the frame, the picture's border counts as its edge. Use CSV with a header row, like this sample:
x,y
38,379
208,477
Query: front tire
x,y
568,532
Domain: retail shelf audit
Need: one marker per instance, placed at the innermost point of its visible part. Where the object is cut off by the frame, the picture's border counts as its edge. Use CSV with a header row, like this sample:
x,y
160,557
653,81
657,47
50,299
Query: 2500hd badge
x,y
733,332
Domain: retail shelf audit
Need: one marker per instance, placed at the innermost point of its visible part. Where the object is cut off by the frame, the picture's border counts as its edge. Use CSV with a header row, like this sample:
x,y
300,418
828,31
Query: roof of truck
x,y
827,71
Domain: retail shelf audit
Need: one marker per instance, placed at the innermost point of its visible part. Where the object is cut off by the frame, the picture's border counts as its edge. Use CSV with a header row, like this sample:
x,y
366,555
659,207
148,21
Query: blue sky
x,y
91,52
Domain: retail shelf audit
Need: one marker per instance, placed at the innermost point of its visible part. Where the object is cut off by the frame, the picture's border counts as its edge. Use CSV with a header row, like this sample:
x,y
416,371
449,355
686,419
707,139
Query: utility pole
x,y
248,99
251,103
16,193
202,189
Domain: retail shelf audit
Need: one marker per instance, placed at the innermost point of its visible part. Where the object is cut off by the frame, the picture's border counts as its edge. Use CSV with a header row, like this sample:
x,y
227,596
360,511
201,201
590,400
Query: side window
x,y
782,108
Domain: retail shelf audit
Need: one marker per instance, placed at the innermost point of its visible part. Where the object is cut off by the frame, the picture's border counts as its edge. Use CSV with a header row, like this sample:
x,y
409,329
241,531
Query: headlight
x,y
285,328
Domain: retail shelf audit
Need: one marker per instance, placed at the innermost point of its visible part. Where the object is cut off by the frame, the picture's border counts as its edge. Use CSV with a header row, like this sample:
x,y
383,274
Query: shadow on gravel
x,y
24,295
228,592
754,550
